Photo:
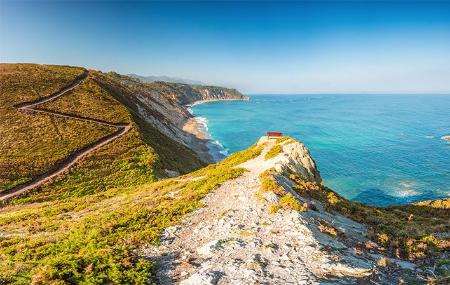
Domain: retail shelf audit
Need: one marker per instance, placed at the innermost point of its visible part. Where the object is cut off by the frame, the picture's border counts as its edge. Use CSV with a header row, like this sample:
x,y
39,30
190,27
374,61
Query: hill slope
x,y
276,224
34,144
261,215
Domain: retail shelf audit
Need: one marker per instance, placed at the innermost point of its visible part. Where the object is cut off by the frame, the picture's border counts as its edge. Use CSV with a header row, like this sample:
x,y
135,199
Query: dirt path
x,y
73,157
235,240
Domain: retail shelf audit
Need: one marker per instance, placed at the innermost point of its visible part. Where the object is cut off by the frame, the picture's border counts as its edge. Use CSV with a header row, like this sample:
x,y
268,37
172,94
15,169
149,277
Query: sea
x,y
376,149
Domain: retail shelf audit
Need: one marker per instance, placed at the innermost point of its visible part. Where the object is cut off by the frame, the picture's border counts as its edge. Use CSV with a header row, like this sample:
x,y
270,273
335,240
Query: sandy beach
x,y
195,127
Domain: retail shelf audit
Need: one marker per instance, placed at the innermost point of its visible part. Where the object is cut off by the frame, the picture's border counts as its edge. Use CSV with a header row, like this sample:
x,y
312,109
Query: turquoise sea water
x,y
377,149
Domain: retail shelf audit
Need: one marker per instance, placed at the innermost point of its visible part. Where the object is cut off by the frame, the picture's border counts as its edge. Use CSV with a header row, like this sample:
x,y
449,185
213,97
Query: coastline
x,y
214,100
198,127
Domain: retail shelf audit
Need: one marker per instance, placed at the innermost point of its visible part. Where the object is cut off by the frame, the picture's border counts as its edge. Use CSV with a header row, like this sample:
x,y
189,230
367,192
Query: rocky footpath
x,y
235,239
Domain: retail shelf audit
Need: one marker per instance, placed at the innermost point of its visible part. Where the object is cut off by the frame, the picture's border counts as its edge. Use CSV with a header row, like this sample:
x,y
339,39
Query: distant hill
x,y
165,79
118,214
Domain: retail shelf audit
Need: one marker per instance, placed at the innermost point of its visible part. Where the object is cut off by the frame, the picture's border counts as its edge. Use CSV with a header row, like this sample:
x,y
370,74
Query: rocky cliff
x,y
265,228
260,216
163,105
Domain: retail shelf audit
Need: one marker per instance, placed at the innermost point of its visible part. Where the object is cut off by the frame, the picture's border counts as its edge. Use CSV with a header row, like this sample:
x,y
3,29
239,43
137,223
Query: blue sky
x,y
257,47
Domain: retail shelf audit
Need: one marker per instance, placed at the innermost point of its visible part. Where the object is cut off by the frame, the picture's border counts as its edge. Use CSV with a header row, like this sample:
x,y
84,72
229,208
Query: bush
x,y
290,202
274,151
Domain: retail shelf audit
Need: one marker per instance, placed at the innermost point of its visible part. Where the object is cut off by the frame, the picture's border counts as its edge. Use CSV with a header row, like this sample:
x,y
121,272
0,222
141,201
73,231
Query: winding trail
x,y
74,157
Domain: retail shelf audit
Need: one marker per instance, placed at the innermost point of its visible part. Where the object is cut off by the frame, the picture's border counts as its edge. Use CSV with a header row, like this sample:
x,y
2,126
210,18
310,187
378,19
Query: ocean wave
x,y
215,148
224,151
204,123
406,189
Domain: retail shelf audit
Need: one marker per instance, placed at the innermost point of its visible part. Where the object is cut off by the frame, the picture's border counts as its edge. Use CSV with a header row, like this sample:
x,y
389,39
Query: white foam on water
x,y
224,151
406,189
204,123
216,149
189,109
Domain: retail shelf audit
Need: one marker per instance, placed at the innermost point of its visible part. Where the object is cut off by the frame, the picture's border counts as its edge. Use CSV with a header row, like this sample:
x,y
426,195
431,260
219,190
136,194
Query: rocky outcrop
x,y
295,158
236,239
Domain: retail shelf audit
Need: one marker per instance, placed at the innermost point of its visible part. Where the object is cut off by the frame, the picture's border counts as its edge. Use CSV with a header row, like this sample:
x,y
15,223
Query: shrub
x,y
332,198
282,139
274,151
274,209
404,231
269,184
290,202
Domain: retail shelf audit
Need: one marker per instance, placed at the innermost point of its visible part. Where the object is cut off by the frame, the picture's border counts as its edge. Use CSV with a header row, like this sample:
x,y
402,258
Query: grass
x,y
282,139
31,144
96,239
87,227
287,201
404,231
269,184
274,151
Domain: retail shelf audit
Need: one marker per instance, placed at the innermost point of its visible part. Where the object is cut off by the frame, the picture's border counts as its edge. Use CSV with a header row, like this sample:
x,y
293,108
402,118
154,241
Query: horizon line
x,y
348,93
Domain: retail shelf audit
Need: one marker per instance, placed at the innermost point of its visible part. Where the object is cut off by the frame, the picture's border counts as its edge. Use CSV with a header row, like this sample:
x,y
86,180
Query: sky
x,y
256,47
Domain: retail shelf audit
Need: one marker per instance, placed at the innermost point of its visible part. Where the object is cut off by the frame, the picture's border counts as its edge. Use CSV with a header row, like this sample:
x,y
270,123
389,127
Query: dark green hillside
x,y
32,143
85,225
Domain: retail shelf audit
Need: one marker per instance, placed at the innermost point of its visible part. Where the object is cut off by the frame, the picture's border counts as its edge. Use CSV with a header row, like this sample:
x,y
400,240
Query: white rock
x,y
205,278
208,248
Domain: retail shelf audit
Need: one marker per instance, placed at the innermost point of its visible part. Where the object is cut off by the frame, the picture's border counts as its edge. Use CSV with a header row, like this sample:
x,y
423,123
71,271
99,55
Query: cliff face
x,y
261,215
188,94
163,105
276,224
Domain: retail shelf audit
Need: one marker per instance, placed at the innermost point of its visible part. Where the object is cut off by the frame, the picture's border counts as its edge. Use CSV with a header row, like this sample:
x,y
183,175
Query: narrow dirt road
x,y
235,239
73,157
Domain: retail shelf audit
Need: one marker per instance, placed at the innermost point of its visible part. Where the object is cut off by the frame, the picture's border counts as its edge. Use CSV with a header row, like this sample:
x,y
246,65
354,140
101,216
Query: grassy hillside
x,y
32,143
90,224
95,239
85,227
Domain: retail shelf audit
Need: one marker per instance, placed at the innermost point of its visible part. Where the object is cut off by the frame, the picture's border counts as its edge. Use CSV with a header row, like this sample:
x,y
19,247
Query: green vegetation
x,y
31,144
269,184
287,201
95,239
405,231
274,151
85,227
282,139
171,155
90,225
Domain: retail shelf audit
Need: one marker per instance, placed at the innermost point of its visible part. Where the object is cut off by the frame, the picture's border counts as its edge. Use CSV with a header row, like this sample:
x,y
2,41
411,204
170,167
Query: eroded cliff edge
x,y
164,105
278,224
